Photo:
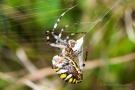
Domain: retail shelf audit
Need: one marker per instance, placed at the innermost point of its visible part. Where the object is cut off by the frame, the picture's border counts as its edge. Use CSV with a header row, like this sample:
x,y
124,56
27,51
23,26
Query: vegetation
x,y
25,58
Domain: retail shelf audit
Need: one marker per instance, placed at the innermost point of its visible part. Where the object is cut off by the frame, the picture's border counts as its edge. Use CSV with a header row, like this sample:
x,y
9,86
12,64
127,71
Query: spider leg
x,y
77,54
74,54
86,55
63,28
47,37
53,44
60,60
56,37
58,20
72,34
55,26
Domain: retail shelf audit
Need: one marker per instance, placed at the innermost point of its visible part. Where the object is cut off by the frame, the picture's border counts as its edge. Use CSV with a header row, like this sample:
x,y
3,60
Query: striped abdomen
x,y
70,72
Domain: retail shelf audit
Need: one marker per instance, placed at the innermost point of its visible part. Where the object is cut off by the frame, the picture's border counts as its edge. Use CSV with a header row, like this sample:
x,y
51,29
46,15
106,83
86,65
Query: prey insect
x,y
64,63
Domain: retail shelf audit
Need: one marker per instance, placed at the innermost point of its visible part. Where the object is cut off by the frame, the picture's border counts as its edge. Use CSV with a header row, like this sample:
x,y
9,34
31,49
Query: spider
x,y
64,63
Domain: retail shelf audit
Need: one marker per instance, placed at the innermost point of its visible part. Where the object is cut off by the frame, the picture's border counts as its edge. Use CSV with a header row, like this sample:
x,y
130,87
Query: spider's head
x,y
71,43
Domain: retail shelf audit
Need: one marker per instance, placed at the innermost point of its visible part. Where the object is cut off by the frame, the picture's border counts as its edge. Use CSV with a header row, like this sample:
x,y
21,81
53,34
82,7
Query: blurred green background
x,y
25,58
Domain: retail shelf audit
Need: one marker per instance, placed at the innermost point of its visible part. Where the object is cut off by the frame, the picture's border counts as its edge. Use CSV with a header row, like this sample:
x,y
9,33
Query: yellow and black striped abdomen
x,y
70,72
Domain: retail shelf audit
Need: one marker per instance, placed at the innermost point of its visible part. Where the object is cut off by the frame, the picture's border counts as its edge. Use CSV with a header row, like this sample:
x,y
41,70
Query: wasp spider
x,y
64,63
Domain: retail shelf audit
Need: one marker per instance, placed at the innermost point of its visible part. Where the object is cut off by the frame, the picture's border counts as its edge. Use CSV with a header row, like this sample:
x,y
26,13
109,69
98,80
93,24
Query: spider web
x,y
80,41
51,15
6,24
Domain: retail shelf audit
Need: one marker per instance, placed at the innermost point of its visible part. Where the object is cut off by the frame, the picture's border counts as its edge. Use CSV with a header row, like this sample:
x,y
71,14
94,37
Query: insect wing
x,y
78,47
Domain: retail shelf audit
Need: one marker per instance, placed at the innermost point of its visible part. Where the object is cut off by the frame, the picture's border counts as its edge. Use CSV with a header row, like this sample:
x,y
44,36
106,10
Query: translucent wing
x,y
79,48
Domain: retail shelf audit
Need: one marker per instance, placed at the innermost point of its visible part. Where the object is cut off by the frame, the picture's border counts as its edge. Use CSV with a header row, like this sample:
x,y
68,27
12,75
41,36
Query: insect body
x,y
68,70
